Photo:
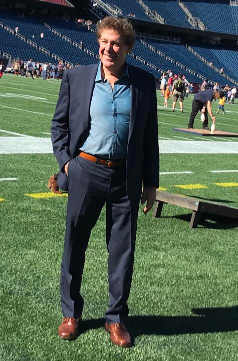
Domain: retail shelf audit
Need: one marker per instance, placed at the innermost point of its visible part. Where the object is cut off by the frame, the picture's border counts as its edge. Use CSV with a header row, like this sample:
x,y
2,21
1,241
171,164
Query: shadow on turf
x,y
211,221
213,199
208,320
205,320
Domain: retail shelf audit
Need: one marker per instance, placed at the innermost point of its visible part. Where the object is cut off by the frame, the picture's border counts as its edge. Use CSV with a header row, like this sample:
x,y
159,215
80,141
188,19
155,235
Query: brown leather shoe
x,y
118,334
53,185
69,328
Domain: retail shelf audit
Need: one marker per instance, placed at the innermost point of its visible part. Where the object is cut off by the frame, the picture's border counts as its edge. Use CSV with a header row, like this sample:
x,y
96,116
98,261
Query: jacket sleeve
x,y
151,145
60,124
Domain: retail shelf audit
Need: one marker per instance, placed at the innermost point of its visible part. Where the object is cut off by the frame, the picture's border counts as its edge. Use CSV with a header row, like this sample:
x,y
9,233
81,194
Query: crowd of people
x,y
176,87
36,69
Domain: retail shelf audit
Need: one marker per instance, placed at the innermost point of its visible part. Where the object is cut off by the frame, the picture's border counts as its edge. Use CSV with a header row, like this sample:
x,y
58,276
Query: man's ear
x,y
129,49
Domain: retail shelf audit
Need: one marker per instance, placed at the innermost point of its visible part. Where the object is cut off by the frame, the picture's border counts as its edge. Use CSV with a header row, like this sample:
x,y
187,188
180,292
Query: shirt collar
x,y
98,77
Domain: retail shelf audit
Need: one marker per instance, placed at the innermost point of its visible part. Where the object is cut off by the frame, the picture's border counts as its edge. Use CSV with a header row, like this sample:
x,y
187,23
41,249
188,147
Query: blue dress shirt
x,y
110,114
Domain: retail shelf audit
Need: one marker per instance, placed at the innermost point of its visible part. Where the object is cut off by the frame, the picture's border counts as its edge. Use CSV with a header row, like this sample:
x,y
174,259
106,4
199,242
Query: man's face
x,y
112,50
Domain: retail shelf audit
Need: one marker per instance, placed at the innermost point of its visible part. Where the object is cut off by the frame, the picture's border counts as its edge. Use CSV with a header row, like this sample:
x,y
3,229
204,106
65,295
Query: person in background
x,y
201,99
170,81
204,85
221,105
225,90
233,95
163,83
1,69
178,92
105,138
44,71
166,96
229,95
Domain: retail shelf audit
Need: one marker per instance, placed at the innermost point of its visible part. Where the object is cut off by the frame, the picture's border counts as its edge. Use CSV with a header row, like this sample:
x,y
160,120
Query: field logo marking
x,y
45,195
230,184
162,189
191,186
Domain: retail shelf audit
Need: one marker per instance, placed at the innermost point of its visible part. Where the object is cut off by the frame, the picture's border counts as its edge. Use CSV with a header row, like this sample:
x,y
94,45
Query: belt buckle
x,y
109,163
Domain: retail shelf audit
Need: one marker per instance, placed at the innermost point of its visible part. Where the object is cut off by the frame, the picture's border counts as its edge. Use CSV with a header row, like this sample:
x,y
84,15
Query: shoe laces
x,y
68,319
120,325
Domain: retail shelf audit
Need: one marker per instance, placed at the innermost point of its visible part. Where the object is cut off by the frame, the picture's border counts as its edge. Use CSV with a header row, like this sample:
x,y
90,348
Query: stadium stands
x,y
50,43
20,49
228,60
170,11
188,59
47,39
58,2
218,16
130,9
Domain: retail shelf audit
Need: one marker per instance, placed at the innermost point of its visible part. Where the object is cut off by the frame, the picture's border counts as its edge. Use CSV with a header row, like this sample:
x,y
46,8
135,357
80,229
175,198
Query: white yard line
x,y
25,145
198,147
31,91
7,179
226,125
46,133
27,97
14,95
24,110
224,171
175,125
13,133
36,145
182,172
177,136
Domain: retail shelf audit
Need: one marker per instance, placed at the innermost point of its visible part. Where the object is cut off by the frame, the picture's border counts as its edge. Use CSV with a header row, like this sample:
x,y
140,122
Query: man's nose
x,y
108,46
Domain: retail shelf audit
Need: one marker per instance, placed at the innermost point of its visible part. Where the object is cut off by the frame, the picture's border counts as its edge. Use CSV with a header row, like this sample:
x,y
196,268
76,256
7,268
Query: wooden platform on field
x,y
206,133
198,206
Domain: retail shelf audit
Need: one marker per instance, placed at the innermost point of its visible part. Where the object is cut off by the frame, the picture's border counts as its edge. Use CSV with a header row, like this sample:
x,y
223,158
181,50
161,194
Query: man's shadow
x,y
204,320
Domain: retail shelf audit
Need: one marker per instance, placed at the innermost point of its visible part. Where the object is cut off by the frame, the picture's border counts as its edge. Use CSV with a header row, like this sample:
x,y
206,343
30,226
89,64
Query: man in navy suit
x,y
105,138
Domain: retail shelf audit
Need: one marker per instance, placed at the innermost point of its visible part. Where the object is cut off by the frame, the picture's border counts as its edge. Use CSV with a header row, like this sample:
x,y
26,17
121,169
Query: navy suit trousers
x,y
196,107
91,186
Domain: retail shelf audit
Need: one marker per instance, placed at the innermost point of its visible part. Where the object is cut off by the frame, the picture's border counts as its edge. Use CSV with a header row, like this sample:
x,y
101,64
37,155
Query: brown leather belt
x,y
109,163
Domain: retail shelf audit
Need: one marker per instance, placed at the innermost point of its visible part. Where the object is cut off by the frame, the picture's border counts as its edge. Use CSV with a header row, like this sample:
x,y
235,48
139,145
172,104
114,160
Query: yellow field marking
x,y
2,199
45,195
231,184
191,186
162,189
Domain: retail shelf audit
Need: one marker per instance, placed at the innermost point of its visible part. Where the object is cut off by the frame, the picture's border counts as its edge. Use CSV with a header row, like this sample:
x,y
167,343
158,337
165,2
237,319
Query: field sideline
x,y
183,302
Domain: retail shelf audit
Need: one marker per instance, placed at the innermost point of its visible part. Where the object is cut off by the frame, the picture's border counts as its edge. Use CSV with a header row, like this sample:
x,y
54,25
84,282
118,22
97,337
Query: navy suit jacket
x,y
71,124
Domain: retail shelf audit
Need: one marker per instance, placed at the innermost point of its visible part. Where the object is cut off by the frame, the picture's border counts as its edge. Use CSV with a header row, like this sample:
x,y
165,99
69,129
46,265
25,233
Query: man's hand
x,y
148,196
209,109
66,168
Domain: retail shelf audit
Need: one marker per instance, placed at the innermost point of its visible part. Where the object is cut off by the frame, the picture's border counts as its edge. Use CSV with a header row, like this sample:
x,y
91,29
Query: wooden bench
x,y
197,205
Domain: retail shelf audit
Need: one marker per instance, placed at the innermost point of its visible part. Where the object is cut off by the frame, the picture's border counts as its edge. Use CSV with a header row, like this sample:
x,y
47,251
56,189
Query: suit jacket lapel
x,y
88,81
134,100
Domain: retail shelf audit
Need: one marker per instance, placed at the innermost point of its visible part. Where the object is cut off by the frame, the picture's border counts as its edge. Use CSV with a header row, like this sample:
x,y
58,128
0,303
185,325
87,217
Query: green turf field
x,y
184,297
